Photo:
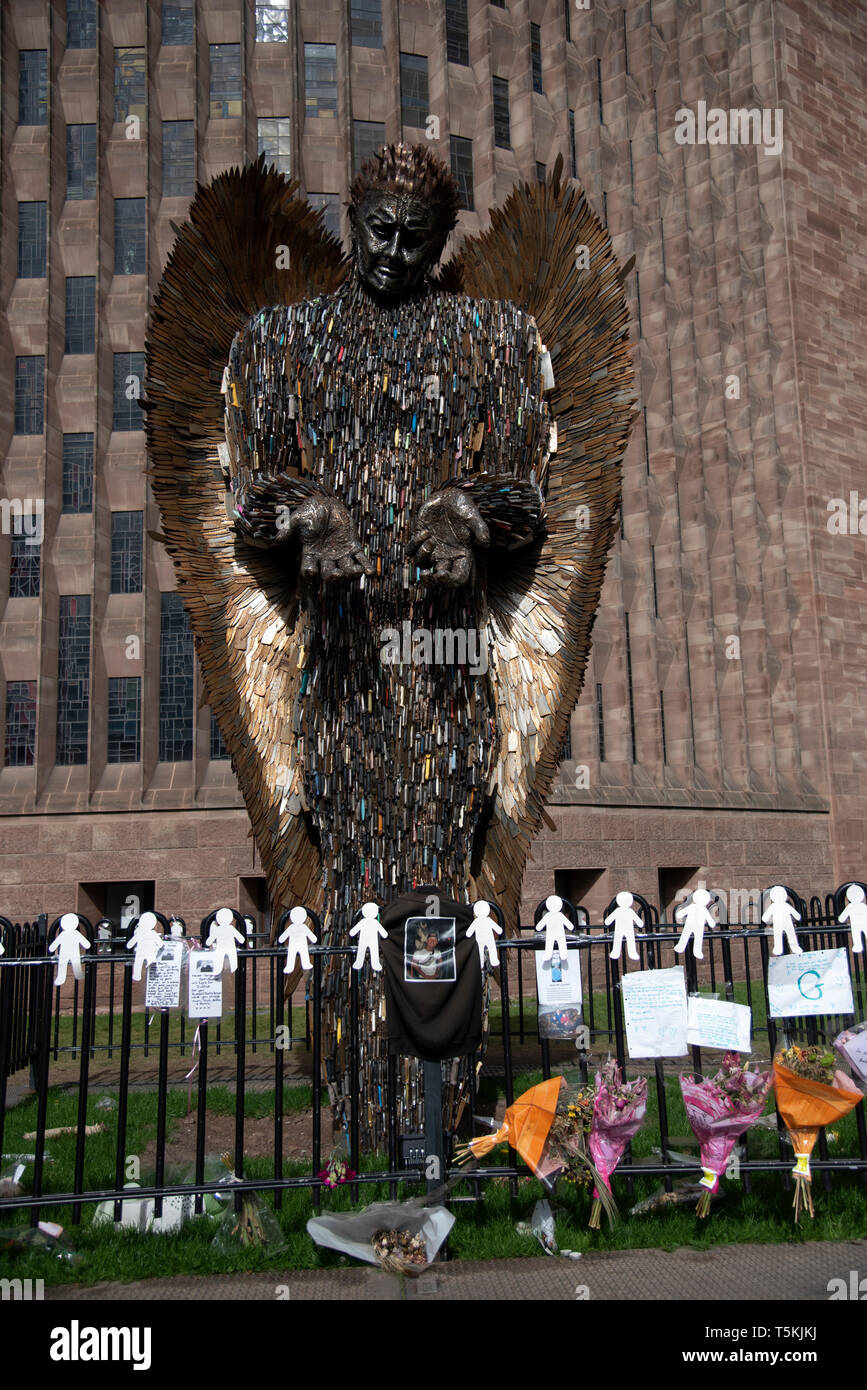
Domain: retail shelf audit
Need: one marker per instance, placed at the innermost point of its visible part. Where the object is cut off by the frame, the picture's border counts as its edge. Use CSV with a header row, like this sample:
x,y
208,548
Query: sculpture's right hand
x,y
330,548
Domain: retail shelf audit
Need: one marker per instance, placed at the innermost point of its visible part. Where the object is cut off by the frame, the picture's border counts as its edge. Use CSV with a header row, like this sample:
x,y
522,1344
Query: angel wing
x,y
228,261
541,612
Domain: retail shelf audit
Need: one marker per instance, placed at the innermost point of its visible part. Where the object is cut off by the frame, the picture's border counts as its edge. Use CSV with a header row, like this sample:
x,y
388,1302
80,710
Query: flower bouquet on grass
x,y
719,1112
549,1126
526,1127
810,1094
618,1113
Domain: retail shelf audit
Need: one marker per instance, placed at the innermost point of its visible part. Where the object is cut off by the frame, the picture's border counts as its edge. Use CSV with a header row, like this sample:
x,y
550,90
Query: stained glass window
x,y
124,719
73,679
176,681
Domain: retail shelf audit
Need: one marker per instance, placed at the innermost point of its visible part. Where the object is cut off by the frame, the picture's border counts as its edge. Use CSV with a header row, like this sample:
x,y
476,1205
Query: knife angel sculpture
x,y
389,496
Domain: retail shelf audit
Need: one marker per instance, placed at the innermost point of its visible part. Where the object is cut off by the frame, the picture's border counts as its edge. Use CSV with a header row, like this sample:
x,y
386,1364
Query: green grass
x,y
139,1032
483,1229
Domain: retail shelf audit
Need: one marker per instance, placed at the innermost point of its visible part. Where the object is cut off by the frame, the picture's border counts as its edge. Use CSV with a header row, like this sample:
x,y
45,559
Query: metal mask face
x,y
397,240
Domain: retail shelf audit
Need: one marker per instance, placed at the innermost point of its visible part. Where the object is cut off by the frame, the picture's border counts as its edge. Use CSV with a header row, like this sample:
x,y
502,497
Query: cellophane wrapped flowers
x,y
719,1112
810,1094
618,1112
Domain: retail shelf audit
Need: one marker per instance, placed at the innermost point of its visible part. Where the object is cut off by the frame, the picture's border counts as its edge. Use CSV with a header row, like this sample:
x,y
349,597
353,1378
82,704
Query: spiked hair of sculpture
x,y
413,171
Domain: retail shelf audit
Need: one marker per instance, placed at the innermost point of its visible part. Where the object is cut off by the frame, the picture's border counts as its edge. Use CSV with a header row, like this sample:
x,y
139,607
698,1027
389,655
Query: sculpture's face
x,y
397,240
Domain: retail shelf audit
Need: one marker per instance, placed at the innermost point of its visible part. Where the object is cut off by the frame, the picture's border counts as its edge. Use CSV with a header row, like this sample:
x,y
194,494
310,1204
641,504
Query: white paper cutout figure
x,y
69,945
368,931
2,947
297,934
855,913
147,942
485,930
695,917
782,917
555,925
222,938
177,927
624,919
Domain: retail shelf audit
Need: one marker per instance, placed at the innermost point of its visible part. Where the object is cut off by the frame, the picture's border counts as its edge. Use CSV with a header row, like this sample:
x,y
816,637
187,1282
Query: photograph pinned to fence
x,y
163,984
815,982
558,992
718,1023
654,1009
429,950
205,986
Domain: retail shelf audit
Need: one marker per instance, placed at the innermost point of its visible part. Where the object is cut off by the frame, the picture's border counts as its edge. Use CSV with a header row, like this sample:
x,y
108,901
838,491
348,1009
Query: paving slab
x,y
759,1273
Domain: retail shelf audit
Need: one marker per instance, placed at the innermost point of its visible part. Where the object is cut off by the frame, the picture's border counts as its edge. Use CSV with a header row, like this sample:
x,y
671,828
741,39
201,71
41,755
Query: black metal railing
x,y
58,1034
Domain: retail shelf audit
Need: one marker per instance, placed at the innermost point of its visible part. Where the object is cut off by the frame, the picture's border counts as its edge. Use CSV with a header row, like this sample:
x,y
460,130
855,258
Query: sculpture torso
x,y
387,403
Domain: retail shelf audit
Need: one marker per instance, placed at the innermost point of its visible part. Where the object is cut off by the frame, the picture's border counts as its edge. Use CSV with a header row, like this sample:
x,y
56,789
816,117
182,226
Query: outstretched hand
x,y
446,528
330,548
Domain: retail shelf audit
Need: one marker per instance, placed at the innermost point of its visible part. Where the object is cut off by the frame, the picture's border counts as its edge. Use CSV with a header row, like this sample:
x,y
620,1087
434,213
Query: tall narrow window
x,y
536,56
176,681
461,151
124,719
219,751
600,723
366,20
179,159
572,151
177,22
128,391
33,86
320,80
81,161
130,86
368,137
81,23
272,23
653,581
414,98
662,725
24,564
20,723
126,552
457,32
502,125
329,205
541,172
225,79
32,241
567,16
566,750
73,679
80,314
29,395
629,686
275,142
77,473
129,236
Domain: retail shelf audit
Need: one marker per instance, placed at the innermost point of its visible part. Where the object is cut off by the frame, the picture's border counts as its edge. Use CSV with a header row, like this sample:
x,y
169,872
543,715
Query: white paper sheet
x,y
565,991
654,1007
718,1023
816,982
854,1047
205,986
163,987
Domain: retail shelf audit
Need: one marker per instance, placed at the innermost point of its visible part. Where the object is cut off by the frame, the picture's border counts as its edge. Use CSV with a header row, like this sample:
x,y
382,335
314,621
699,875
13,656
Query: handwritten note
x,y
717,1023
163,988
654,1006
816,982
205,986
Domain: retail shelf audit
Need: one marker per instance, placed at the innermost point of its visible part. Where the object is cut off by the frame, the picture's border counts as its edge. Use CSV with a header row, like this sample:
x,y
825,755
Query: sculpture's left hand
x,y
446,528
